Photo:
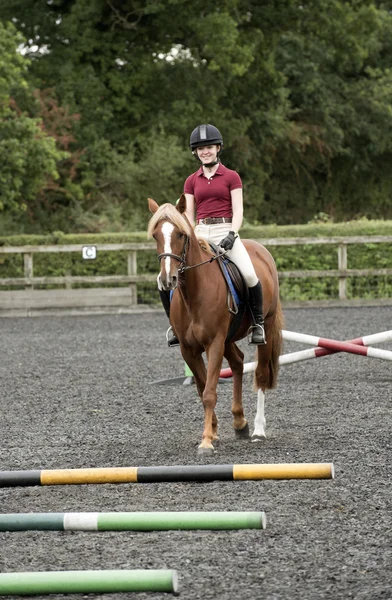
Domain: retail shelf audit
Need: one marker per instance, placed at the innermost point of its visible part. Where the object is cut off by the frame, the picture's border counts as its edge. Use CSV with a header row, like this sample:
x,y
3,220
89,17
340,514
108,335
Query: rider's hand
x,y
228,242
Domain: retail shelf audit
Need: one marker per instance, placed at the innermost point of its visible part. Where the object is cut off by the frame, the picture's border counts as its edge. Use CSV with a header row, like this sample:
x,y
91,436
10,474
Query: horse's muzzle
x,y
168,282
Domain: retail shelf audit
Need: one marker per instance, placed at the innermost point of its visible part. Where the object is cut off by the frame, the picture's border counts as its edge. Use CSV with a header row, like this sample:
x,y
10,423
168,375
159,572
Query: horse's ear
x,y
152,205
181,204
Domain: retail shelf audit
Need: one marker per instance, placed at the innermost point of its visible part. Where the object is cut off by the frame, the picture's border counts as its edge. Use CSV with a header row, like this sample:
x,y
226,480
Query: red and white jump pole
x,y
324,347
355,346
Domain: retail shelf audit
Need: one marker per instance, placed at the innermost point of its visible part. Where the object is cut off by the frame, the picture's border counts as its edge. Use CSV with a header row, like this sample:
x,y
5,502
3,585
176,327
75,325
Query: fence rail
x,y
29,297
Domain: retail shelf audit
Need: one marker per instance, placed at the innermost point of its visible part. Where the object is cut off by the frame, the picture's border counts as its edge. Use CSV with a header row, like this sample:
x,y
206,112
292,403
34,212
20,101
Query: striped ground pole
x,y
360,346
292,357
88,582
177,473
132,521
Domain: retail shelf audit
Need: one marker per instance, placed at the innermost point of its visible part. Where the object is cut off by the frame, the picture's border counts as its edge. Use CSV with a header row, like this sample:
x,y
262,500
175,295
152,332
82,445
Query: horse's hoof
x,y
242,434
216,442
258,438
205,451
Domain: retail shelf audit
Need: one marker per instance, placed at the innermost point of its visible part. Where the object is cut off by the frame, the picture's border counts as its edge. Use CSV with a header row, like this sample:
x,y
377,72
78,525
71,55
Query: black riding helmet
x,y
206,135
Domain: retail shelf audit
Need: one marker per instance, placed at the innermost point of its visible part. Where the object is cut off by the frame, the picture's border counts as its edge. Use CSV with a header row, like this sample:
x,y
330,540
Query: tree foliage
x,y
28,155
300,91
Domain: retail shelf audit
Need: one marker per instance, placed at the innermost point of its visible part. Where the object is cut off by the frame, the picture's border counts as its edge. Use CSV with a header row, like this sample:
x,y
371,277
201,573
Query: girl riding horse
x,y
214,193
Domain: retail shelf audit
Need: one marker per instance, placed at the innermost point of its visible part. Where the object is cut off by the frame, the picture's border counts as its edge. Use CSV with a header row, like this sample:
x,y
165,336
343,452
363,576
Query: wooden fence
x,y
28,301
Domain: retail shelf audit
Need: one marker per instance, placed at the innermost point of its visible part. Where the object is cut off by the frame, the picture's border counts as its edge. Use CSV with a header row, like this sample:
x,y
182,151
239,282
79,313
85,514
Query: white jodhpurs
x,y
238,254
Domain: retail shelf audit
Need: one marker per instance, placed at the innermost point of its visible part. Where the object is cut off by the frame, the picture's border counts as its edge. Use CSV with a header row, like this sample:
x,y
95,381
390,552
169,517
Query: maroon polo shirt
x,y
212,196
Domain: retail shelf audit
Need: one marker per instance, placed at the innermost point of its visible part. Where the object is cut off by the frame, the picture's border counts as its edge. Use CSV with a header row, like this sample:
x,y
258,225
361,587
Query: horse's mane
x,y
167,212
204,245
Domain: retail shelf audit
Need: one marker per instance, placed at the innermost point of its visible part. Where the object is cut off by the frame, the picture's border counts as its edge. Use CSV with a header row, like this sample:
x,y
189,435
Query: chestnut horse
x,y
200,317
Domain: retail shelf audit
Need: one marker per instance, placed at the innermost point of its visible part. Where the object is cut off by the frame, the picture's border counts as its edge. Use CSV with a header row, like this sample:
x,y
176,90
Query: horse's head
x,y
172,231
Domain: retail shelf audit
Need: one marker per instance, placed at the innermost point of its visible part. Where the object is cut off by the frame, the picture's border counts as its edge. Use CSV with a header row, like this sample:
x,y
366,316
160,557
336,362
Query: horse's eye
x,y
180,236
154,235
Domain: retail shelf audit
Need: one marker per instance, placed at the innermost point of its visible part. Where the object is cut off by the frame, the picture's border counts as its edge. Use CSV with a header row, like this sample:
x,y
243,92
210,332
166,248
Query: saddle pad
x,y
230,283
233,276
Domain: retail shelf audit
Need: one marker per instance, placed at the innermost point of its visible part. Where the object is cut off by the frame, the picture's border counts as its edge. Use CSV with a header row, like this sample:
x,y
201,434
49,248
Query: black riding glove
x,y
228,242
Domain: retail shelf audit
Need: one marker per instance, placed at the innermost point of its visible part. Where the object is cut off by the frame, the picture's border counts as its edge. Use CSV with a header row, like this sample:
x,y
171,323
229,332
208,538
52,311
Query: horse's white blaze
x,y
167,230
159,282
259,430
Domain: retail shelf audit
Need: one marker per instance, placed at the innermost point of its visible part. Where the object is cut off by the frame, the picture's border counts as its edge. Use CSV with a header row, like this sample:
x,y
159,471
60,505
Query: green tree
x,y
27,155
337,64
301,93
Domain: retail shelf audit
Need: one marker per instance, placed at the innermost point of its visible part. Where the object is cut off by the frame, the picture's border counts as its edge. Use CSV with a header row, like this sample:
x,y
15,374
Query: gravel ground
x,y
76,393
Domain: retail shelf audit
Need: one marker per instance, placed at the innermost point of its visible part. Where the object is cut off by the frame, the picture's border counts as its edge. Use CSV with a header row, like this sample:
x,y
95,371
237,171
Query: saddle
x,y
237,291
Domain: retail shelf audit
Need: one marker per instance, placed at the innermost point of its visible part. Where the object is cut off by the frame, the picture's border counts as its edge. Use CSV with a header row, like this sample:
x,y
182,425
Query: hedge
x,y
316,257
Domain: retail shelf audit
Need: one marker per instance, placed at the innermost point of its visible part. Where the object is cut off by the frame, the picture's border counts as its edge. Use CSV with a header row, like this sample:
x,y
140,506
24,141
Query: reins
x,y
186,267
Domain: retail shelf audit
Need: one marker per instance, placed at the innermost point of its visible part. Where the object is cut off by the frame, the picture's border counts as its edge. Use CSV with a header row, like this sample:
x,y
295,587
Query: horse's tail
x,y
267,378
277,344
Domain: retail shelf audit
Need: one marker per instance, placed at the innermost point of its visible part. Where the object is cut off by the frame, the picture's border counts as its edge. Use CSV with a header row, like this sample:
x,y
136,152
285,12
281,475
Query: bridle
x,y
182,259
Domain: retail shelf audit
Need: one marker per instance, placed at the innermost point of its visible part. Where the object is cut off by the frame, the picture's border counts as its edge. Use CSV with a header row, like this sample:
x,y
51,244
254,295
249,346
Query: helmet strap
x,y
211,164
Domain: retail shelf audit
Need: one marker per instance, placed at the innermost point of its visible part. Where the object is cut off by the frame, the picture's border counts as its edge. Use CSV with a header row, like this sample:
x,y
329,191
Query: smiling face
x,y
208,154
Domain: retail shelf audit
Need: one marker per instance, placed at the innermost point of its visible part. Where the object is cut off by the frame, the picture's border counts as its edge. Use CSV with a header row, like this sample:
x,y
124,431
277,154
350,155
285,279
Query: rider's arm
x,y
238,208
190,208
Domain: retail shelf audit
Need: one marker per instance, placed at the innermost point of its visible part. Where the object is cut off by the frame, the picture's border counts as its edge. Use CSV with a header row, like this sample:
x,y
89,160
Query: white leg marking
x,y
167,230
259,430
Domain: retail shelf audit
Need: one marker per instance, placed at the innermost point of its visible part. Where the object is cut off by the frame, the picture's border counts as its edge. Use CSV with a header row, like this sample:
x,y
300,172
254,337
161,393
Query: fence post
x,y
68,284
132,270
342,266
28,269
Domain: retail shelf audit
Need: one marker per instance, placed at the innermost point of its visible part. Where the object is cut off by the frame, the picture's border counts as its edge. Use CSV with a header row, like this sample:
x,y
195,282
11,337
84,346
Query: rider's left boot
x,y
256,333
172,340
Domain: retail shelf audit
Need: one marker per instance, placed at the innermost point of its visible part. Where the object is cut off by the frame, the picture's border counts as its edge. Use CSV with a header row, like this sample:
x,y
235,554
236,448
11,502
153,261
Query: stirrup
x,y
256,335
171,339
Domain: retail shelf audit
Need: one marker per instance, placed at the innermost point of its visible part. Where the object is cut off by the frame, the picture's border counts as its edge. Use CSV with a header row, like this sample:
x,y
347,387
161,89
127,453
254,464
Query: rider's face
x,y
207,154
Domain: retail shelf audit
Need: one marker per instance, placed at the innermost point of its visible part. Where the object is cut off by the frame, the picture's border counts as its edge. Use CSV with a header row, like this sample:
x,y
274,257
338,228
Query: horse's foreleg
x,y
235,358
215,436
198,368
209,397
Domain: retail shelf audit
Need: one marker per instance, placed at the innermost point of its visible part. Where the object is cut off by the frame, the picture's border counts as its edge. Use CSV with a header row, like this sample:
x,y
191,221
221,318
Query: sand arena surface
x,y
75,392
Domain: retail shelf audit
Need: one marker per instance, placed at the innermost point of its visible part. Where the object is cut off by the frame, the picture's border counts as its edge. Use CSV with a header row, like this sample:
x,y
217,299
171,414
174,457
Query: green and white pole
x,y
88,582
188,372
188,375
132,521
